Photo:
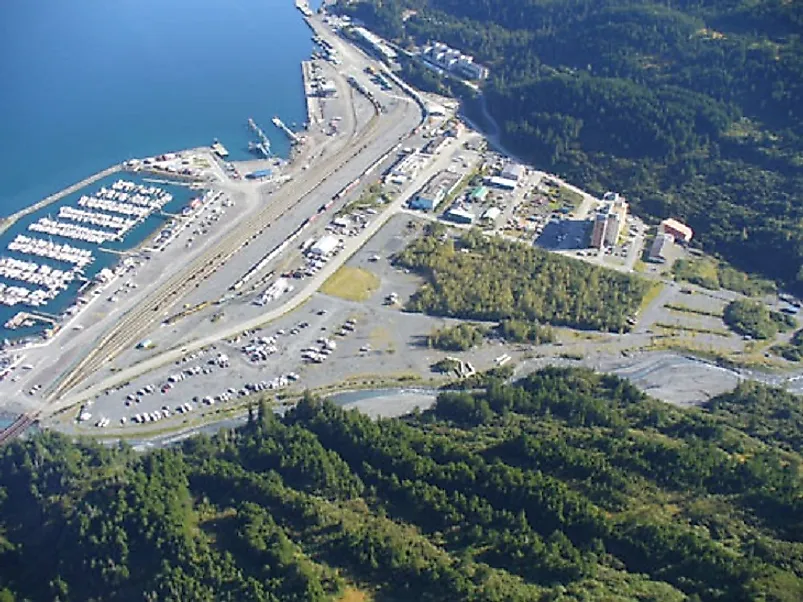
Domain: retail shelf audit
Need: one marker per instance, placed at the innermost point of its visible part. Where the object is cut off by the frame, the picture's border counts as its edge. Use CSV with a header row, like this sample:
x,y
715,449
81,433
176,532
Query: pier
x,y
303,8
294,138
220,150
263,146
11,220
307,78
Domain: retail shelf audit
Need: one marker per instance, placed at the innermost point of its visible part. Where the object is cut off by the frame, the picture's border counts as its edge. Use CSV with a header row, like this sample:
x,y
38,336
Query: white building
x,y
677,229
325,246
512,171
451,59
376,43
492,214
660,248
504,183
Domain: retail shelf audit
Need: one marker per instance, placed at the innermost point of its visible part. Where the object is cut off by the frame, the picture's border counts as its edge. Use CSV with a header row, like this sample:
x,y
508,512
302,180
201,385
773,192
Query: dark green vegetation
x,y
519,331
793,350
457,338
491,279
691,108
712,274
564,486
754,319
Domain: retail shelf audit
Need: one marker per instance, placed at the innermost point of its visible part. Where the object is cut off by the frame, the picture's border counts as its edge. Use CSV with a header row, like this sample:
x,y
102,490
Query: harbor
x,y
294,138
54,252
314,115
9,221
262,145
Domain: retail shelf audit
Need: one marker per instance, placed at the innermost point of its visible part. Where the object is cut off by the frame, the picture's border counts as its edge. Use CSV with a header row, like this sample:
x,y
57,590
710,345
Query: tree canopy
x,y
692,108
492,279
565,485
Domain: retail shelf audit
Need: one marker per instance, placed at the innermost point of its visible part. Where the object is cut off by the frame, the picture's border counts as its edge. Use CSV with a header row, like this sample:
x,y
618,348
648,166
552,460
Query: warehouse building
x,y
512,171
433,193
491,214
459,215
374,43
324,246
479,194
503,183
678,230
659,251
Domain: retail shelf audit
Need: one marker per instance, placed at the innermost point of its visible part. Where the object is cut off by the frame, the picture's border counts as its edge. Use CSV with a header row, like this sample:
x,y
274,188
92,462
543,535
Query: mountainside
x,y
566,485
691,108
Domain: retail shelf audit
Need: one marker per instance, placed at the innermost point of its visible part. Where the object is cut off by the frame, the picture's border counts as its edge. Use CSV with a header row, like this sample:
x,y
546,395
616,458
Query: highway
x,y
310,287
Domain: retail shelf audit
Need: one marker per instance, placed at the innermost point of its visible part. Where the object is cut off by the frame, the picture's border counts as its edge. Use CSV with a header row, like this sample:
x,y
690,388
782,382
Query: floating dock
x,y
263,146
294,138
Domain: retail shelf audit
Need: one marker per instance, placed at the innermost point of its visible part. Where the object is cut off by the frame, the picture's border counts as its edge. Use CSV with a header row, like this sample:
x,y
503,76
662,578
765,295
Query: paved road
x,y
311,286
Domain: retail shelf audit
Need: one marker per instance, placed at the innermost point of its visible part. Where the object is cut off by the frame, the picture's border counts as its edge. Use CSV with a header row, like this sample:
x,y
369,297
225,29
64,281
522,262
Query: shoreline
x,y
49,200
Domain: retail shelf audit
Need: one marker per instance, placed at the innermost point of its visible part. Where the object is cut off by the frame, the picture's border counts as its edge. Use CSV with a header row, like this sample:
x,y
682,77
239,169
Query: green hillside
x,y
567,485
691,108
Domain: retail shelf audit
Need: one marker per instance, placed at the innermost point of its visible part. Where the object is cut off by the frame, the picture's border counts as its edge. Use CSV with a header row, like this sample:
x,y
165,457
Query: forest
x,y
478,278
564,485
691,108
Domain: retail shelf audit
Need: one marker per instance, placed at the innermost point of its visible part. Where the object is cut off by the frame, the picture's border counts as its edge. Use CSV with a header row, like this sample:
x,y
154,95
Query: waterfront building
x,y
503,183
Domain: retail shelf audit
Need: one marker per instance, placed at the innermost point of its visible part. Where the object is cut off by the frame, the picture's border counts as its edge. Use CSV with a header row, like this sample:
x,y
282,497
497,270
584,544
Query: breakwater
x,y
12,219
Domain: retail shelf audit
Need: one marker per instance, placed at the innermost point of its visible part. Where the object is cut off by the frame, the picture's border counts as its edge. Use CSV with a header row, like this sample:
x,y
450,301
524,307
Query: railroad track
x,y
136,321
16,428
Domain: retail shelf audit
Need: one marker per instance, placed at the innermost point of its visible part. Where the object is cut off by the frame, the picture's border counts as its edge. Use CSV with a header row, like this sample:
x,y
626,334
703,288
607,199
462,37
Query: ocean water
x,y
90,83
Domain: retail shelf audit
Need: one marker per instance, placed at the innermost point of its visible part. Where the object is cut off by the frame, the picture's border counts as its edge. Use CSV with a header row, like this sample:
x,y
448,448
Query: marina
x,y
114,206
54,227
51,281
54,253
294,138
262,147
26,319
46,248
105,220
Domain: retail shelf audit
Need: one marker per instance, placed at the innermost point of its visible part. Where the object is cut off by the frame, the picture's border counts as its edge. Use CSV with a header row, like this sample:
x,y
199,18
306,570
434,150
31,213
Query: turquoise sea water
x,y
89,83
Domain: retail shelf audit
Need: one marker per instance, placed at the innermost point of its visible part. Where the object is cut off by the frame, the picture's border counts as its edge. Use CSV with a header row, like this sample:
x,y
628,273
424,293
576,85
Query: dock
x,y
294,138
9,221
303,8
29,318
220,150
307,78
263,145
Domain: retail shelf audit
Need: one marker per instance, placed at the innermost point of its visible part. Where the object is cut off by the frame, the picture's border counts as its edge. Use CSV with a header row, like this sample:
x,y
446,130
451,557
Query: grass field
x,y
353,284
